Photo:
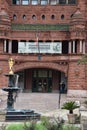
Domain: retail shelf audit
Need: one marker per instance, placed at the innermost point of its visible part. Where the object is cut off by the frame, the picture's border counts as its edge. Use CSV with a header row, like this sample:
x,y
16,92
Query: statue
x,y
11,63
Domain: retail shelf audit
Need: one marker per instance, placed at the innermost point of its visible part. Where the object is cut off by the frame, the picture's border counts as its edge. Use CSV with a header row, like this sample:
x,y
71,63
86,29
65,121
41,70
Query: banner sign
x,y
40,47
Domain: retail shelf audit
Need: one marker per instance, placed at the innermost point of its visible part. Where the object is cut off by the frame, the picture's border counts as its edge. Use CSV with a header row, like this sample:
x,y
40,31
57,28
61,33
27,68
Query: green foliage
x,y
29,126
53,123
33,125
15,126
85,102
70,127
70,106
46,124
40,127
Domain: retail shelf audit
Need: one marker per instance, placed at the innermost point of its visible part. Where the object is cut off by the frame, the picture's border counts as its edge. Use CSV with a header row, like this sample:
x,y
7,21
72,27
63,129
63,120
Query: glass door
x,y
42,81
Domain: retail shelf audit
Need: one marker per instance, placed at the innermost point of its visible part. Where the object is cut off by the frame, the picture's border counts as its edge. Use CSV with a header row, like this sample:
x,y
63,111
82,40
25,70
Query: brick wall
x,y
76,76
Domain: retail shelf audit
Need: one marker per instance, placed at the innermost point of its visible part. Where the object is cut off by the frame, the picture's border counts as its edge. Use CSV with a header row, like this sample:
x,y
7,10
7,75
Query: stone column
x,y
66,1
70,51
38,2
20,2
84,47
30,1
74,46
80,46
10,47
4,45
57,1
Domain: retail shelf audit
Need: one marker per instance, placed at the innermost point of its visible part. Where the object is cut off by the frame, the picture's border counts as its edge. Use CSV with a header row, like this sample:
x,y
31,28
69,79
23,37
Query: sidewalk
x,y
47,104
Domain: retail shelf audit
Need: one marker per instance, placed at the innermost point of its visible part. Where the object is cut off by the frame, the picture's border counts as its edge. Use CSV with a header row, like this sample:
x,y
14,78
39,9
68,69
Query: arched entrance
x,y
41,80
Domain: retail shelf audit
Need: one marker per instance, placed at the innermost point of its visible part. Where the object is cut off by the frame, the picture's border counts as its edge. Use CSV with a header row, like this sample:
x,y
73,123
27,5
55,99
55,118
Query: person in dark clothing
x,y
62,87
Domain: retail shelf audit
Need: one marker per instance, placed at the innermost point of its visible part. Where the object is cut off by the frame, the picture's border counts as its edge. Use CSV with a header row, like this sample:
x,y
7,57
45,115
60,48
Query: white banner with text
x,y
40,47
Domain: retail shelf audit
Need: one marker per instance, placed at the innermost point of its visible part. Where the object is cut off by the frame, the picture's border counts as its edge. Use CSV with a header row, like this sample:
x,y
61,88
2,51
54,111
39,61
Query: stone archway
x,y
55,67
28,65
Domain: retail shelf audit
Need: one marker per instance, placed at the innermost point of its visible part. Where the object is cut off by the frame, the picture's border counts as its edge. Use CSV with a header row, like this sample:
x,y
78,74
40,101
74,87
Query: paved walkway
x,y
41,102
47,104
44,103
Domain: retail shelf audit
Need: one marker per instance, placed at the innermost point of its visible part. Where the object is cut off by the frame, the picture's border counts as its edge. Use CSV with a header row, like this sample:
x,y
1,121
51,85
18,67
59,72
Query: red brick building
x,y
45,38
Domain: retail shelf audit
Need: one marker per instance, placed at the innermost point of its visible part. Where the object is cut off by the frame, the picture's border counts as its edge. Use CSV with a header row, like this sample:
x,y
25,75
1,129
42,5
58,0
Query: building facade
x,y
46,38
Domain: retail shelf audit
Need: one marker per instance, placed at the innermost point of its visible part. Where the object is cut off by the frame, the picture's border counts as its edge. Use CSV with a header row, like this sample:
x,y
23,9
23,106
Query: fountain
x,y
12,90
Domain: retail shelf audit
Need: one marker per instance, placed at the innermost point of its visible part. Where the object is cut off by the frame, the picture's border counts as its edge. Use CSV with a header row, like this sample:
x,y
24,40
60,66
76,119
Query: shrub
x,y
70,106
85,102
33,125
15,126
53,123
70,127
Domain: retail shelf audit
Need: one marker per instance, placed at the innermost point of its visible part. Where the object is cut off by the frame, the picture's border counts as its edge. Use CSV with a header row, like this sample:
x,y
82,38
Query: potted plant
x,y
71,105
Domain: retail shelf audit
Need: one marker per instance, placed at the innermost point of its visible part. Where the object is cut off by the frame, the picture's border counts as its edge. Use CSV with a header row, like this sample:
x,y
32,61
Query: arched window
x,y
52,16
24,16
43,16
14,17
33,17
62,16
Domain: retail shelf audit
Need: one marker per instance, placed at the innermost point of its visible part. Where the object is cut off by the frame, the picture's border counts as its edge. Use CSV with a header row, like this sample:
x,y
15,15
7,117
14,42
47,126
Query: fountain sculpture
x,y
12,89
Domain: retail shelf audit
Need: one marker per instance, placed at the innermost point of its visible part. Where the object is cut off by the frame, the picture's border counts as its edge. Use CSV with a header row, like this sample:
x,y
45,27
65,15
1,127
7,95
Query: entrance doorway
x,y
42,80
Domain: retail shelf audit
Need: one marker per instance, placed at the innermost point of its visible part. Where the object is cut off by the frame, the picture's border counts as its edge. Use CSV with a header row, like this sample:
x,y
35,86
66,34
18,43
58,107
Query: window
x,y
71,1
16,2
43,17
62,16
14,17
33,17
52,16
34,2
53,2
62,1
24,16
43,2
24,2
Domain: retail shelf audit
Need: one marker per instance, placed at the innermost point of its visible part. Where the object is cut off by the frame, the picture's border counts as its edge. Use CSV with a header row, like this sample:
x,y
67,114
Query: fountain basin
x,y
21,115
11,89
